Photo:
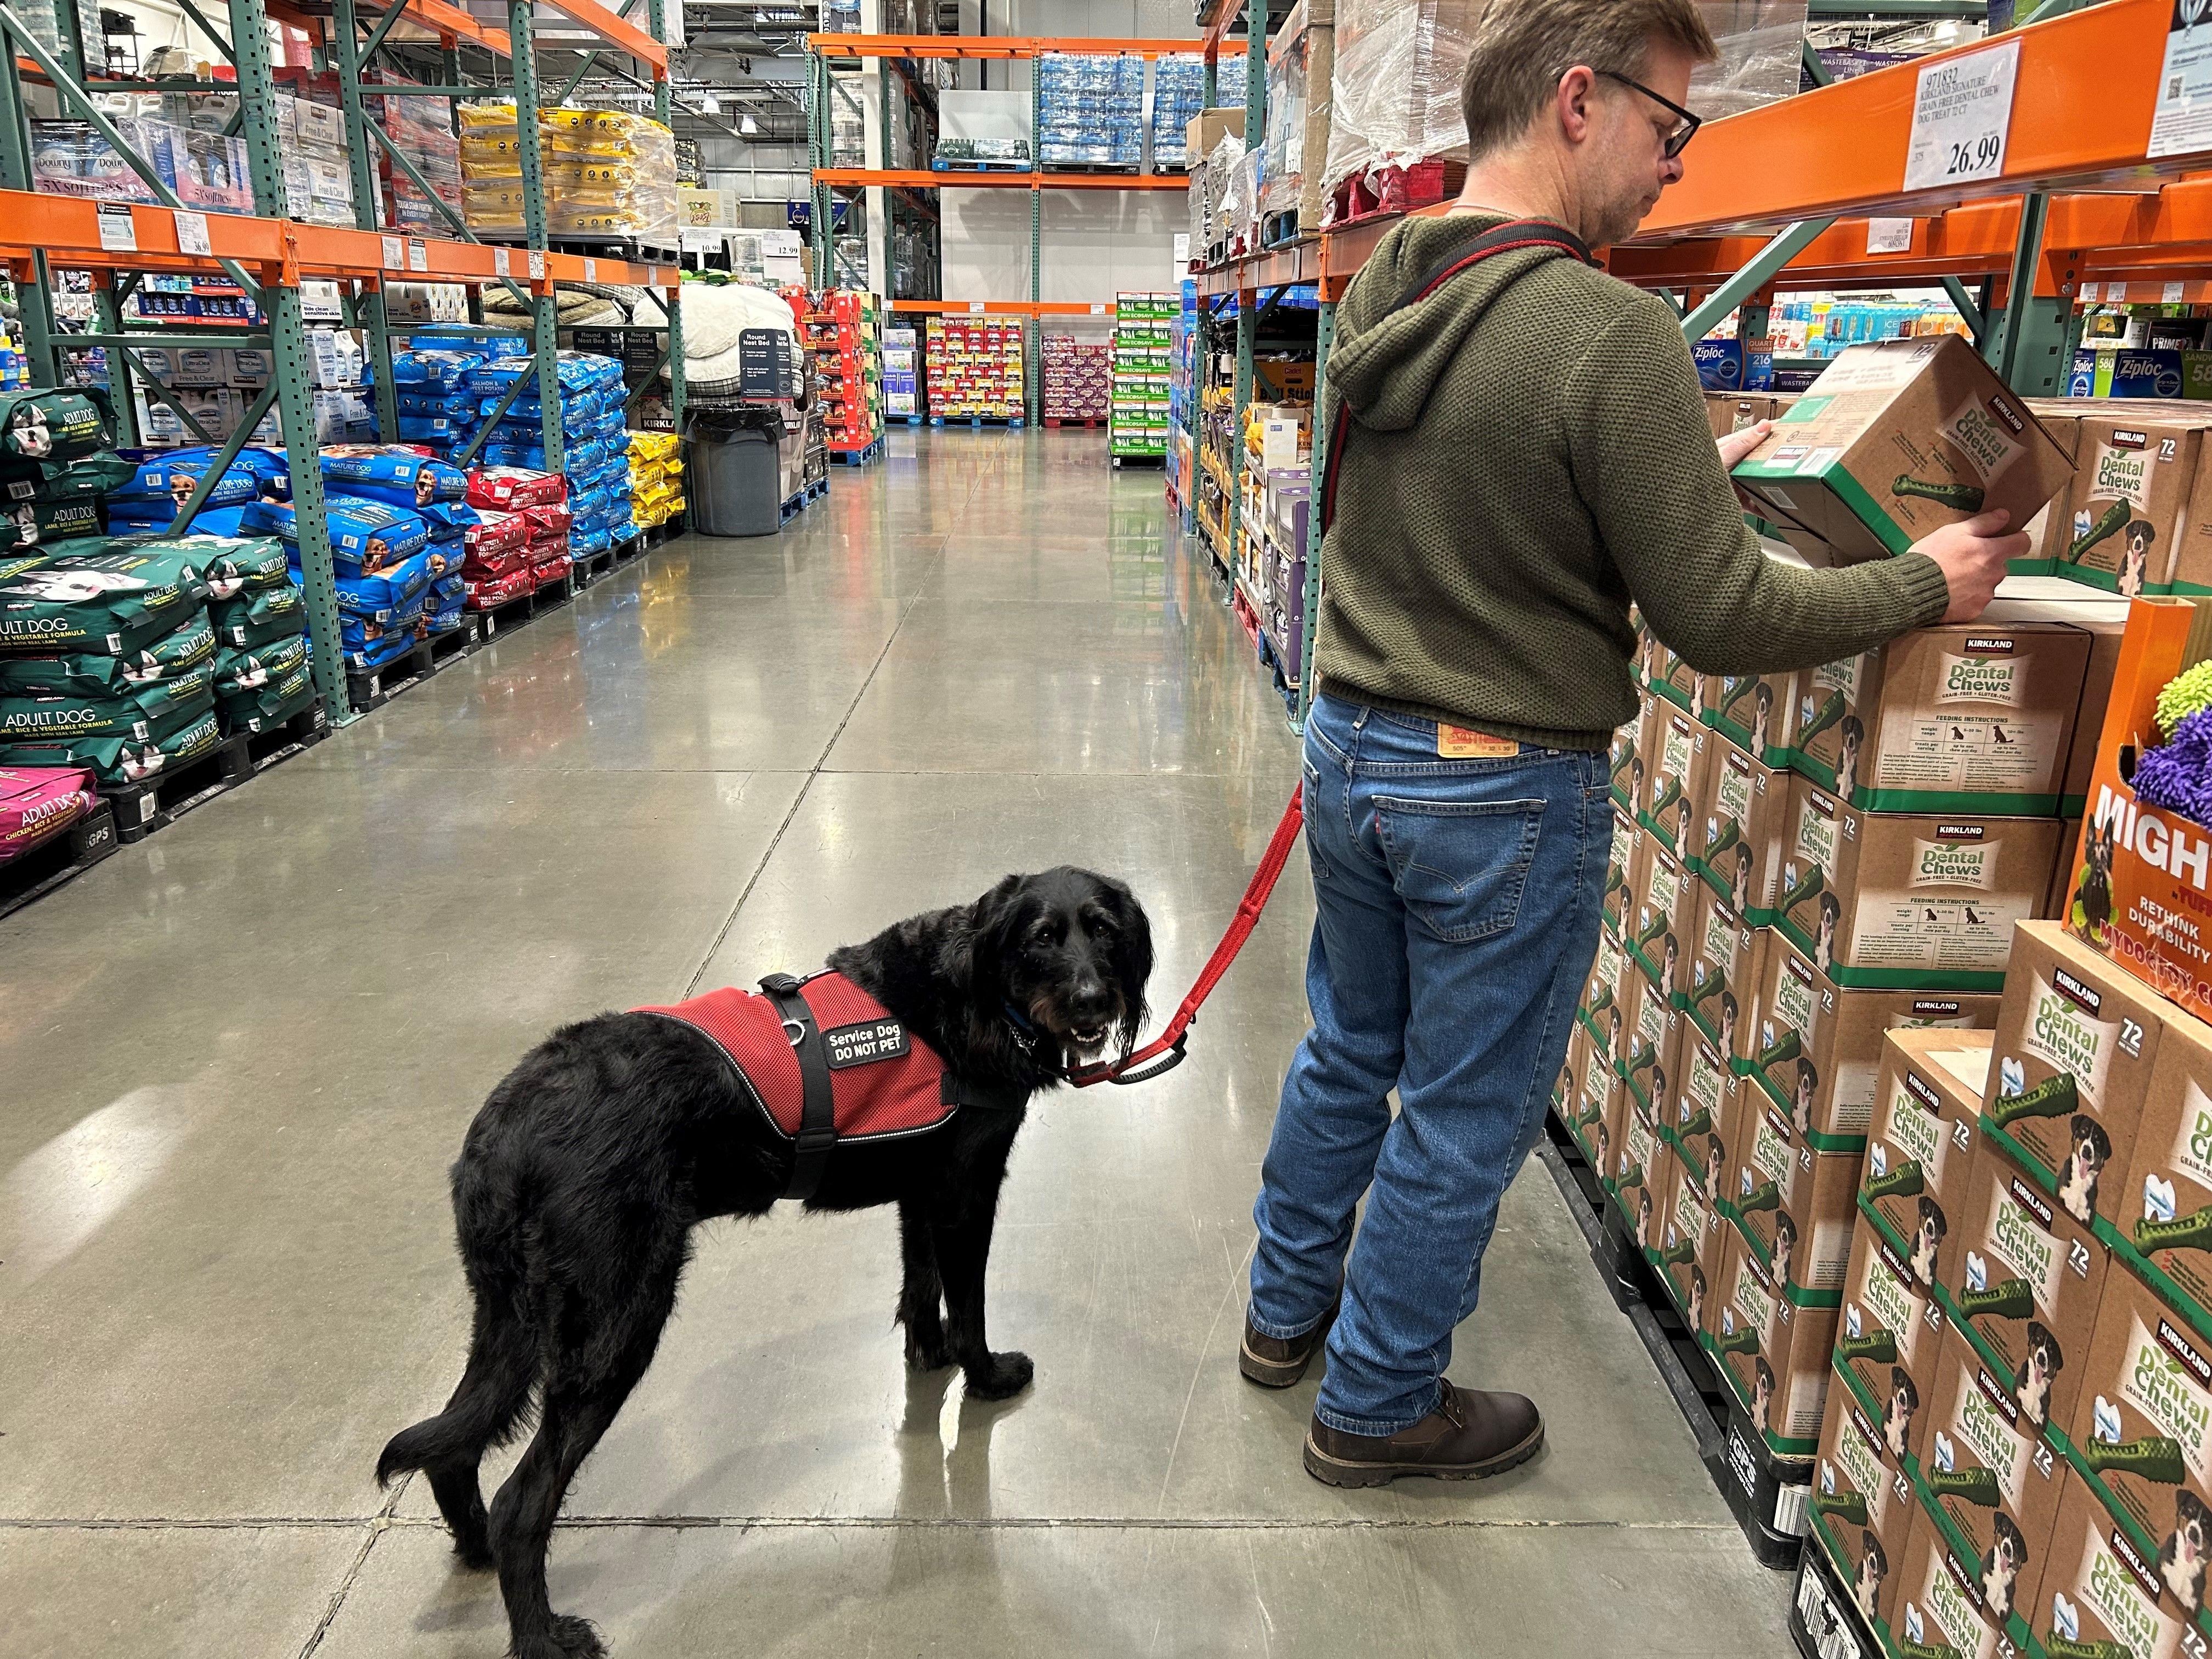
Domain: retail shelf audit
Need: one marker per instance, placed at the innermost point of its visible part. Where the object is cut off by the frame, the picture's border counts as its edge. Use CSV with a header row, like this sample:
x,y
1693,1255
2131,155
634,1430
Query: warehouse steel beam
x,y
1755,277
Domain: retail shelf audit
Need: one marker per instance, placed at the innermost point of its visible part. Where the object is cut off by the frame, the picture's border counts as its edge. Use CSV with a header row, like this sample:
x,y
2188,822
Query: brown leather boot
x,y
1277,1362
1471,1434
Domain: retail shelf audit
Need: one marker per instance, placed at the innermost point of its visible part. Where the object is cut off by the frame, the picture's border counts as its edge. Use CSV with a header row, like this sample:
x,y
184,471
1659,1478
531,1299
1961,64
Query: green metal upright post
x,y
2029,343
820,149
374,320
108,317
664,112
545,335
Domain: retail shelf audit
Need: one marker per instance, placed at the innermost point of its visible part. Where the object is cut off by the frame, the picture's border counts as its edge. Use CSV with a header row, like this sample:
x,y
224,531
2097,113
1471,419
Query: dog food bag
x,y
512,487
552,573
1774,1354
1737,830
259,617
45,523
1889,1336
244,565
1974,718
264,708
150,710
584,544
238,672
441,371
365,536
1676,777
448,522
173,656
1862,1508
1817,1048
381,598
1693,1238
373,654
228,522
486,592
494,530
2023,1279
96,474
2102,1593
548,519
1756,712
1886,902
117,761
396,476
162,485
2076,1042
2166,1201
1920,1150
1726,956
40,429
99,597
1658,922
39,803
1794,1206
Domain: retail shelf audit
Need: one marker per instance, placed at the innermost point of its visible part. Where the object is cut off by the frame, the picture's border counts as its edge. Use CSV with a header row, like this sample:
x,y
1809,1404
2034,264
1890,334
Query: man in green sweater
x,y
1525,452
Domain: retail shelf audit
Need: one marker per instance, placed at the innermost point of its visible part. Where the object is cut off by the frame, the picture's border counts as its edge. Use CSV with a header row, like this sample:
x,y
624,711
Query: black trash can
x,y
730,481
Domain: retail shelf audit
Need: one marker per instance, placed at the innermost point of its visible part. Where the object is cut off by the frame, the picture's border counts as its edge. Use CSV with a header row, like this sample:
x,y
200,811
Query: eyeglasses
x,y
1685,129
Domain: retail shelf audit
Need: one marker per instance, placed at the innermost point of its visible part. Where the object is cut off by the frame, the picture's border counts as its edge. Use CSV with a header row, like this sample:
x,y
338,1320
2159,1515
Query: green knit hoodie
x,y
1529,452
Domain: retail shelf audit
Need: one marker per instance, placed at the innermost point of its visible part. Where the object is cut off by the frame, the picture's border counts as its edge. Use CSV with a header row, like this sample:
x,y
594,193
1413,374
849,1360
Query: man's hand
x,y
1739,445
1972,555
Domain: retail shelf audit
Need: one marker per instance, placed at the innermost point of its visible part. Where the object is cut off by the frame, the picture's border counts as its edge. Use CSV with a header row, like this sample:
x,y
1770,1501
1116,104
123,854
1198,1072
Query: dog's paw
x,y
927,1354
568,1638
474,1554
1002,1377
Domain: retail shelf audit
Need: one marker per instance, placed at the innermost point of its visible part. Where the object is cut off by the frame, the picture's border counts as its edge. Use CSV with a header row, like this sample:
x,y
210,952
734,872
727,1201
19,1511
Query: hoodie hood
x,y
1390,349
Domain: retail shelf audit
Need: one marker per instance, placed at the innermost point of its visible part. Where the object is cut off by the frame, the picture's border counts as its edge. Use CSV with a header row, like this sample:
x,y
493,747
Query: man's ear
x,y
1571,99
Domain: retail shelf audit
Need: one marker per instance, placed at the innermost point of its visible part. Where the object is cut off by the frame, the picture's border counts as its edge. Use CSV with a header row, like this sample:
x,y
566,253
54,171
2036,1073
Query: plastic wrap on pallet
x,y
1220,176
1178,94
607,173
1282,176
1091,111
1395,87
1239,220
1762,45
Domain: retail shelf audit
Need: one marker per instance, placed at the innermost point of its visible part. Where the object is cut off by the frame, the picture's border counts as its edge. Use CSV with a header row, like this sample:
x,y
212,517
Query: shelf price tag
x,y
192,233
499,263
418,254
1889,236
116,234
591,269
2181,120
1097,310
975,307
536,265
1961,116
395,253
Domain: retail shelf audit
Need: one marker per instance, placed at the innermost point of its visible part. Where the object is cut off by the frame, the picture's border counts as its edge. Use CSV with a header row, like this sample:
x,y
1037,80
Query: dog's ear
x,y
994,923
1133,958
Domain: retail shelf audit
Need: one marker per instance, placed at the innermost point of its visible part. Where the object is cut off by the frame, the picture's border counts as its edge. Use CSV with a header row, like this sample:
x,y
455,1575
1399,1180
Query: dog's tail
x,y
505,1355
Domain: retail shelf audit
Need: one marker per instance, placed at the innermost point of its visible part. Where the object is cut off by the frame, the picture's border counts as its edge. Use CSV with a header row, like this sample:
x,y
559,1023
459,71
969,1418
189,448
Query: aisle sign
x,y
2181,120
192,233
1889,235
1961,116
116,234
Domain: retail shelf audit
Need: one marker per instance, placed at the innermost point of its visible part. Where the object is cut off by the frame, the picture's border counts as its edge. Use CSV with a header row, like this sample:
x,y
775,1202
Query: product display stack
x,y
1178,94
522,543
845,334
656,479
609,175
1078,386
902,373
1142,355
973,366
1091,112
420,130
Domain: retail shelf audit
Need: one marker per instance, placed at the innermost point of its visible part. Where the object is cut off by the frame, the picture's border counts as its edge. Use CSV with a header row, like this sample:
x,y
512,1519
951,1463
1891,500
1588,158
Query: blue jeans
x,y
1458,906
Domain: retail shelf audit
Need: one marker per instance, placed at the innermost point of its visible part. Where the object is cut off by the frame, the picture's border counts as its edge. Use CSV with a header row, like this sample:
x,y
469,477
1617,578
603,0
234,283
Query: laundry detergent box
x,y
1993,1479
2141,1428
1794,1204
1889,1337
1736,832
1976,718
1920,1148
1897,439
1756,712
1692,1236
1657,934
1774,1353
2166,1204
1726,954
2076,1042
1862,1506
2102,1594
1939,1607
1712,1111
2129,507
1891,900
2024,1280
1676,783
1817,1051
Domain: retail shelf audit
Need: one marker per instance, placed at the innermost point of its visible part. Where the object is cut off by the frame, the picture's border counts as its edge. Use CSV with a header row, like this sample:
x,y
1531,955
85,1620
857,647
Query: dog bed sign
x,y
859,1045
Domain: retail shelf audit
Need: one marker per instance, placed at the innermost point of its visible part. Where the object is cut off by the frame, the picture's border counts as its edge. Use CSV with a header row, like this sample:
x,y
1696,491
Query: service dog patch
x,y
858,1045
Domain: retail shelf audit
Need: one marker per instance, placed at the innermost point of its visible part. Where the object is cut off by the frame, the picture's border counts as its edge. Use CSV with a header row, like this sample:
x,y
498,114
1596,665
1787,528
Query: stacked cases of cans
x,y
1142,359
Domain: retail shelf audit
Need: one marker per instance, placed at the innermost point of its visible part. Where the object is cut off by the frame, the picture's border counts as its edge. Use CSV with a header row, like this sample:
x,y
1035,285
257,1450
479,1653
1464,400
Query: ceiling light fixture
x,y
747,125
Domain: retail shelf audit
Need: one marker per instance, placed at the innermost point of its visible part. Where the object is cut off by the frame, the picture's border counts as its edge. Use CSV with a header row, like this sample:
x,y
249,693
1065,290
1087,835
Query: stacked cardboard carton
x,y
1079,378
902,375
1143,356
974,366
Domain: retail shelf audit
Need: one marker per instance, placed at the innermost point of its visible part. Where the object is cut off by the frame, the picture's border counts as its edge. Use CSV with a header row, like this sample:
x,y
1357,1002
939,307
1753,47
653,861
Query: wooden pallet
x,y
58,860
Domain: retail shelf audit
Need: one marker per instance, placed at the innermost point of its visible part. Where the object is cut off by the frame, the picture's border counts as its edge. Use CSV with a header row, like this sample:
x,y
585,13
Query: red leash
x,y
1171,1041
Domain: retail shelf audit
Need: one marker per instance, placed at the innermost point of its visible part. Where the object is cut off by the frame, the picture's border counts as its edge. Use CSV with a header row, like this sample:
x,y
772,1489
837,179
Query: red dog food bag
x,y
37,803
550,519
495,532
486,592
552,570
511,487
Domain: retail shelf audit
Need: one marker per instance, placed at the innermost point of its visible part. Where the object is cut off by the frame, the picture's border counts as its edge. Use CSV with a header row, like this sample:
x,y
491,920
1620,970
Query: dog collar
x,y
1025,1033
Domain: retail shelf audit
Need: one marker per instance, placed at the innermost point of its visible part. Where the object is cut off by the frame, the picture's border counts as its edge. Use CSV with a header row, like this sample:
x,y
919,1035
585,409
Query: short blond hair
x,y
1519,48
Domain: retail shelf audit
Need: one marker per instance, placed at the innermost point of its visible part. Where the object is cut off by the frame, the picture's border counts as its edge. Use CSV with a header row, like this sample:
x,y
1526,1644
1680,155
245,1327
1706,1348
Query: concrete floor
x,y
238,1058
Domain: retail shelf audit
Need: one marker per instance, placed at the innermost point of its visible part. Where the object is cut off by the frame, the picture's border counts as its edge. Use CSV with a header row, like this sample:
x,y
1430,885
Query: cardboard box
x,y
1668,677
2141,1428
1645,1205
2076,1040
2100,1594
1920,1147
1601,1009
1693,1238
2129,507
1209,127
1738,833
1954,718
1710,1113
1592,1087
1774,1355
1862,1507
1939,1607
1898,437
2024,1279
1889,1338
1726,955
1635,1159
1621,867
1657,932
1992,1476
1676,783
1625,764
2165,1208
1756,712
1653,1029
1794,1204
1890,901
1818,1047
2106,624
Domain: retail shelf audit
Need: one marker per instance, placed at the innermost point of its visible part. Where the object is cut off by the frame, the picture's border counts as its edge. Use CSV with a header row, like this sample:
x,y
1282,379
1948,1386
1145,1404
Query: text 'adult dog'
x,y
900,1075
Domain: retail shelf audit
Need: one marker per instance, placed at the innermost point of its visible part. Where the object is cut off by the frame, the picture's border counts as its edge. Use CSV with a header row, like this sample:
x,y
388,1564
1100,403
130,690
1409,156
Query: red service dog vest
x,y
826,1062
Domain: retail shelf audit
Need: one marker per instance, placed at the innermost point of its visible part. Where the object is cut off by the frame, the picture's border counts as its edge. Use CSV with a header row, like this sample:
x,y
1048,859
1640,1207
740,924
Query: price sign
x,y
395,253
1889,236
975,307
116,234
192,233
536,265
1961,116
499,263
418,254
2091,290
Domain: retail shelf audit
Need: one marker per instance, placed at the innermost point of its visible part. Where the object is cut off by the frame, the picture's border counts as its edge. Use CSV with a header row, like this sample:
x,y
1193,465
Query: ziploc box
x,y
1774,1354
2130,498
1710,1111
1897,439
1726,954
2075,1045
1921,1145
1889,1338
2023,1280
1677,778
1657,927
1692,1237
2101,1593
1817,1048
1862,1508
1737,833
1940,1605
1960,718
2165,1212
2141,1430
1889,902
1758,713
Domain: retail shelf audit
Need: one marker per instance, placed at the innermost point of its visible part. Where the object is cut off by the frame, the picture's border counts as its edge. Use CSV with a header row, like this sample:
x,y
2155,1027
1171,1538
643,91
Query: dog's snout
x,y
1091,1001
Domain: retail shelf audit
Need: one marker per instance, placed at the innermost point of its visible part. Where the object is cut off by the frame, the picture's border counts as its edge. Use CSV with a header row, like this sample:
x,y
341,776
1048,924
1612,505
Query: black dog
x,y
2093,897
582,1178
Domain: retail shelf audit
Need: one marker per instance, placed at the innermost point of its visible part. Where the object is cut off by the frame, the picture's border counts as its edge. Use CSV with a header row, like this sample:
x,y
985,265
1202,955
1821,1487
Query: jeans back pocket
x,y
1460,866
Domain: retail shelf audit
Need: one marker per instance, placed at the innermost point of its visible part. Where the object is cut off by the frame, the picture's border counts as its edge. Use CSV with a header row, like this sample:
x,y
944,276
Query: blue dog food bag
x,y
396,476
365,536
385,595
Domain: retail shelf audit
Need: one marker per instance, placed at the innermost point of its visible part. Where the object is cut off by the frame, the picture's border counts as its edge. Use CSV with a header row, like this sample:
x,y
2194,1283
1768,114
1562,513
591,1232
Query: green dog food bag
x,y
151,711
242,673
41,431
259,618
270,705
97,474
117,761
239,565
101,597
172,656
